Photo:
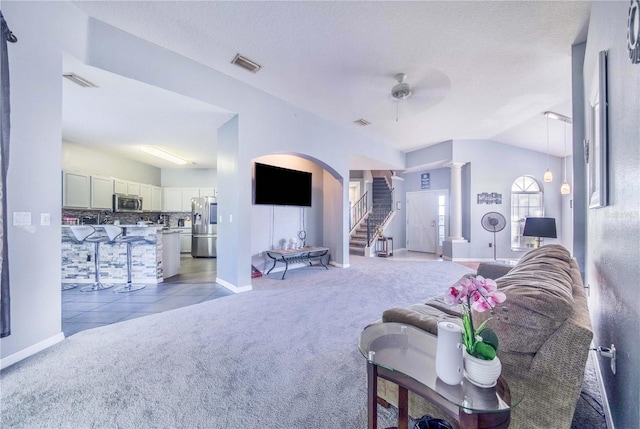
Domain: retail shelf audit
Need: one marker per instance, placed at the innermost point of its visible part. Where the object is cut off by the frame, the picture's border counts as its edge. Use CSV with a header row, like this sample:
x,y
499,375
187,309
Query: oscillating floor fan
x,y
493,222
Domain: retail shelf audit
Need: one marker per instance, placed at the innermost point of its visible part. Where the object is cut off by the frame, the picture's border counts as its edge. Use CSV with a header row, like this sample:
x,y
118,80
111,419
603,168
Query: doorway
x,y
426,221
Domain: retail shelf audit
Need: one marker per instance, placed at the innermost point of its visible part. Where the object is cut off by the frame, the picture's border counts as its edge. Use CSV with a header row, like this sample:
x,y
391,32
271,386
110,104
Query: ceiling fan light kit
x,y
402,90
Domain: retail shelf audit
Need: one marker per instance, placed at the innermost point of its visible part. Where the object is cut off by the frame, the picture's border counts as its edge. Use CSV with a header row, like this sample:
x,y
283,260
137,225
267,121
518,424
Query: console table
x,y
306,254
406,355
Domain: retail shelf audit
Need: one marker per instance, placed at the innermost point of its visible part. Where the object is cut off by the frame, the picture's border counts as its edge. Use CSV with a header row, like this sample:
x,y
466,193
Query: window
x,y
441,216
526,200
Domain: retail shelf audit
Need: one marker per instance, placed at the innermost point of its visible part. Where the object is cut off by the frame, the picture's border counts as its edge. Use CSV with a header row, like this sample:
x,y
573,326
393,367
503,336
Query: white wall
x,y
189,177
613,232
86,159
272,224
33,183
265,125
492,167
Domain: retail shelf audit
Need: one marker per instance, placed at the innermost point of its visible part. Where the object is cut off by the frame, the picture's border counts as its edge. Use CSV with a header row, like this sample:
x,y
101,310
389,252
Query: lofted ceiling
x,y
477,69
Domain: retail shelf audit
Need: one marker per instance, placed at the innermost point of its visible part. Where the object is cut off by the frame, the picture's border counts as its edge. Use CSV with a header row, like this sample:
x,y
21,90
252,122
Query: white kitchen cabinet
x,y
76,190
172,200
101,192
145,193
133,188
208,192
120,186
156,198
185,241
187,195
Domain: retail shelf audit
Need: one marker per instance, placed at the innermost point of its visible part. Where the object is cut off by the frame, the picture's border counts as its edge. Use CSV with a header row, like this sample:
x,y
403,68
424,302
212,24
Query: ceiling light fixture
x,y
565,189
78,80
548,176
558,116
165,155
246,63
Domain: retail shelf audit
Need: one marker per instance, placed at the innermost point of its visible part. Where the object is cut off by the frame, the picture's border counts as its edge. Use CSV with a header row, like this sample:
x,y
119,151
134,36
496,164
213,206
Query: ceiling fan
x,y
428,92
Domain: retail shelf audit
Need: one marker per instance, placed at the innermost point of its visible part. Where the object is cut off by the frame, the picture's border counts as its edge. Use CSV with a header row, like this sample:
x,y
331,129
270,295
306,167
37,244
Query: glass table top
x,y
412,352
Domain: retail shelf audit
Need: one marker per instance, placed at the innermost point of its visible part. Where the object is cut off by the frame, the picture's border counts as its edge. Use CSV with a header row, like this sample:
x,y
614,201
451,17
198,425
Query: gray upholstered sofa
x,y
545,336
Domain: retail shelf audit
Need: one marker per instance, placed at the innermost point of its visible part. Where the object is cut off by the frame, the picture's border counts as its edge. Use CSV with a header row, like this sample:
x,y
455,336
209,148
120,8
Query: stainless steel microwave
x,y
127,203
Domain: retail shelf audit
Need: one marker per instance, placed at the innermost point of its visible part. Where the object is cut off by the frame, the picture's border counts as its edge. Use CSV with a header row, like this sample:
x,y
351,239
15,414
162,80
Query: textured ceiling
x,y
479,70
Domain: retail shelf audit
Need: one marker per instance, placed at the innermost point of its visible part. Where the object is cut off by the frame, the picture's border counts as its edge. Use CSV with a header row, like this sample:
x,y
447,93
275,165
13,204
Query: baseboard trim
x,y
31,350
603,392
338,265
233,288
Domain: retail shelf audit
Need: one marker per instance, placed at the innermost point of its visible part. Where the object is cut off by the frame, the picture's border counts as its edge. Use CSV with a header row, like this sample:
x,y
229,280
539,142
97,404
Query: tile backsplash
x,y
96,216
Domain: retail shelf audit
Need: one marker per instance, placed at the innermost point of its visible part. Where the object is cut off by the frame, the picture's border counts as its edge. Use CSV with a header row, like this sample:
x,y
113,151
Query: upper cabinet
x,y
76,190
144,191
84,191
179,199
120,186
208,192
156,199
101,192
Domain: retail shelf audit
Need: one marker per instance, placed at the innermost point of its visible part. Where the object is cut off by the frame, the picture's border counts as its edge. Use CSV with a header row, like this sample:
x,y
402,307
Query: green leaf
x,y
484,351
490,337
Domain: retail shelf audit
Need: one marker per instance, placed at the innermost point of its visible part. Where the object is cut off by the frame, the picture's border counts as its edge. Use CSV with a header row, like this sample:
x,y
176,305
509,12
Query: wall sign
x,y
489,198
633,32
425,181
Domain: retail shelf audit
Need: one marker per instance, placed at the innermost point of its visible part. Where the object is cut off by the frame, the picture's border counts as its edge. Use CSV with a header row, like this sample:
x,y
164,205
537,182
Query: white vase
x,y
449,367
481,372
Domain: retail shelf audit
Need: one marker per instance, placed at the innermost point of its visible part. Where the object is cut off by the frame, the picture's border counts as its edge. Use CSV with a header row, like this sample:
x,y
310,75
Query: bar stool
x,y
85,234
130,287
79,233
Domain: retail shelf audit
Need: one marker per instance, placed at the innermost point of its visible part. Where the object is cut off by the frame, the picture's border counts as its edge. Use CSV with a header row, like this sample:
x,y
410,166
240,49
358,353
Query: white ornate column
x,y
455,202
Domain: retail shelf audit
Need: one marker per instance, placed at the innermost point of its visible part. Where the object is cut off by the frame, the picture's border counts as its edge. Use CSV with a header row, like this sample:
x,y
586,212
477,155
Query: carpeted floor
x,y
281,356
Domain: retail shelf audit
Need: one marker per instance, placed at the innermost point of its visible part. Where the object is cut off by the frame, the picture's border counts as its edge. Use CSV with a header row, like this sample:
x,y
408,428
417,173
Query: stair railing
x,y
357,211
379,216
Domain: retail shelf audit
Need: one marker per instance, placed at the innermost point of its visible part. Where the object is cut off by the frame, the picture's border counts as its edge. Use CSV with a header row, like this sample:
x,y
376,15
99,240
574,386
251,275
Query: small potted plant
x,y
482,366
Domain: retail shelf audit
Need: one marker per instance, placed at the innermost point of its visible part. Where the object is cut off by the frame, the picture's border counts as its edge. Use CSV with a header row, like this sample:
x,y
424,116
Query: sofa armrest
x,y
493,270
422,316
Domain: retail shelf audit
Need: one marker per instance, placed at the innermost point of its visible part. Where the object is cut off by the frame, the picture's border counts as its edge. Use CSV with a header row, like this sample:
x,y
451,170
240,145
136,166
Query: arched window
x,y
527,199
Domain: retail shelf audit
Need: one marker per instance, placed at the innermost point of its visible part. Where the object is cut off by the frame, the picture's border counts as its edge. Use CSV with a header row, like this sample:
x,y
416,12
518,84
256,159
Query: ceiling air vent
x,y
79,80
246,63
362,122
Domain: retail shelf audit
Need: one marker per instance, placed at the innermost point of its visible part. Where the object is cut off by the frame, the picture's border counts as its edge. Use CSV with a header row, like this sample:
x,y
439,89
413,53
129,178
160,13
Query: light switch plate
x,y
45,219
21,218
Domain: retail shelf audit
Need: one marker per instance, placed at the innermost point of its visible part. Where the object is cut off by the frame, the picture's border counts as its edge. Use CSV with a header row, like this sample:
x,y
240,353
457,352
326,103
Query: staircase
x,y
358,240
382,200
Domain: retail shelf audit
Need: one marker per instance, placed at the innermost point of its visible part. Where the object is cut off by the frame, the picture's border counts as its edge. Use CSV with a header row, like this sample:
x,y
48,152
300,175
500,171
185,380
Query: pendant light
x,y
565,189
548,176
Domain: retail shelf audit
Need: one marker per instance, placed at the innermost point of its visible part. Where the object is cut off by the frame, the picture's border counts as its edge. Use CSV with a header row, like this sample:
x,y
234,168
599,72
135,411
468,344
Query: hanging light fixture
x,y
565,189
548,176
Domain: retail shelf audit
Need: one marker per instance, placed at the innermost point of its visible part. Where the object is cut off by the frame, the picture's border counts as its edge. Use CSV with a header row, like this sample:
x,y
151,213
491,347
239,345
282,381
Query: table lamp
x,y
540,227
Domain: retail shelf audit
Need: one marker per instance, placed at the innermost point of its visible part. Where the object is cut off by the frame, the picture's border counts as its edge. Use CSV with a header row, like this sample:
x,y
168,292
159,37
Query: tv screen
x,y
282,186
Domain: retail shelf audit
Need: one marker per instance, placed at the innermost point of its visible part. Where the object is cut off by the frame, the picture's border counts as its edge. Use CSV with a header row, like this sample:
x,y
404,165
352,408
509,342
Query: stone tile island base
x,y
146,256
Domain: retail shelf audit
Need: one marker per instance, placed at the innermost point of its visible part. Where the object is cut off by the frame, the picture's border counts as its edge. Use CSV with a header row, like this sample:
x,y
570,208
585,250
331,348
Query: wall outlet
x,y
490,244
259,253
88,257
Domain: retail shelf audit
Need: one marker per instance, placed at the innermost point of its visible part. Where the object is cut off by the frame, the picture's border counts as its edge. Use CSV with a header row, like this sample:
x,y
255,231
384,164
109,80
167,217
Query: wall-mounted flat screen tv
x,y
282,186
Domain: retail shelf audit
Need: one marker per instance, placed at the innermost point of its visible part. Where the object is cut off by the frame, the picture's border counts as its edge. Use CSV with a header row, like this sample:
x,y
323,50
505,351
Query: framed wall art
x,y
598,136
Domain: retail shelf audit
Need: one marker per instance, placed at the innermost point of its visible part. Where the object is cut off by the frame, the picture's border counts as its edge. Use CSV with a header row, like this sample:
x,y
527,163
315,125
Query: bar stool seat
x,y
130,287
86,234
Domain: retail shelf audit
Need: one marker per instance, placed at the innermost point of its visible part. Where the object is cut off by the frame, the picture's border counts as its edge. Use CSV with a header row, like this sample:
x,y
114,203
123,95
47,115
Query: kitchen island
x,y
155,257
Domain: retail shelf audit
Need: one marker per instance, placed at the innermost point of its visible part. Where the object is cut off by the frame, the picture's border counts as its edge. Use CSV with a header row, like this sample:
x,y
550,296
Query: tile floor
x,y
194,283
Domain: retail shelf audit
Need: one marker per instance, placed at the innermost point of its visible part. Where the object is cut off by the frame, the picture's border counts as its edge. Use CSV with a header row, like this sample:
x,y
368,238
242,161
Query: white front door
x,y
422,221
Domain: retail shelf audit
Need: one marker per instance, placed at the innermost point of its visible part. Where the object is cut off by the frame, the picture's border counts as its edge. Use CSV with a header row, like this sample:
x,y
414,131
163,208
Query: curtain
x,y
5,299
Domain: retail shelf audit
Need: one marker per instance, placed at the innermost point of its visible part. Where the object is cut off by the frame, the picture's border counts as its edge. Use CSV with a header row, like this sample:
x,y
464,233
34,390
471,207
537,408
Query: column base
x,y
455,248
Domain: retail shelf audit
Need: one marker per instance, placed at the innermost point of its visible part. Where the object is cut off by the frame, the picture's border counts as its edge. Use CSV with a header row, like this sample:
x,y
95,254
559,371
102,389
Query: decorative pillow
x,y
539,300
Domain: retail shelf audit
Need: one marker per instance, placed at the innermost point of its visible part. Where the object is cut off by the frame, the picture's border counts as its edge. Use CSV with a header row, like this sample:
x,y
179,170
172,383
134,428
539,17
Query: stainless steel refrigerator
x,y
204,227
